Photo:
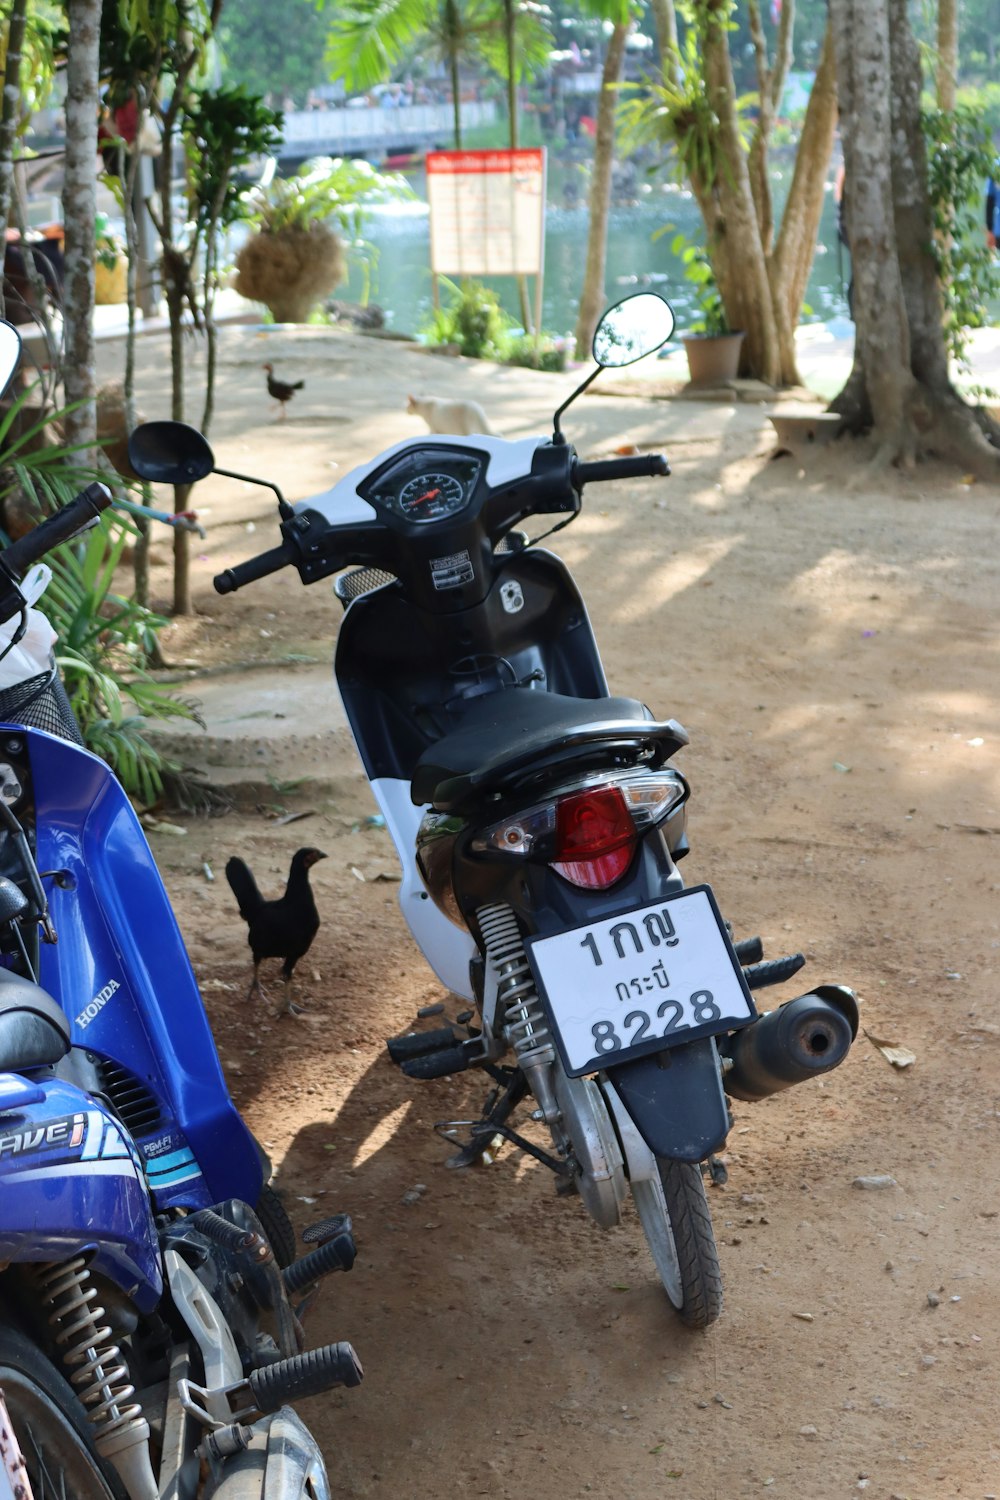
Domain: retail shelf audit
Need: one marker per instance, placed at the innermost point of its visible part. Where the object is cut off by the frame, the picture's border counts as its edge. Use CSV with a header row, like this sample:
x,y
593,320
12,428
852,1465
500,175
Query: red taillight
x,y
595,837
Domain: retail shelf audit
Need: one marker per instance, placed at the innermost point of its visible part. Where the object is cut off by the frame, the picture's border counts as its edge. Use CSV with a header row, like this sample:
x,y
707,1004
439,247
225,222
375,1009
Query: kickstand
x,y
716,1171
500,1105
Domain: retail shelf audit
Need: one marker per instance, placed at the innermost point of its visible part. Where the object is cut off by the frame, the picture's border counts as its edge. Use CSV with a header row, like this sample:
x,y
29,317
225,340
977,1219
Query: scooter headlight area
x,y
588,831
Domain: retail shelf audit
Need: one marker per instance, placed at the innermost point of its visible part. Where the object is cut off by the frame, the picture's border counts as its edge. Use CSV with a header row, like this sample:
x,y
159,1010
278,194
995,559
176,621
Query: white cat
x,y
459,418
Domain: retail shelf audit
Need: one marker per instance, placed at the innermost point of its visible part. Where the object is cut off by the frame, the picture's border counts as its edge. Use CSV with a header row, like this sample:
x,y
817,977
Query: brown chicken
x,y
280,390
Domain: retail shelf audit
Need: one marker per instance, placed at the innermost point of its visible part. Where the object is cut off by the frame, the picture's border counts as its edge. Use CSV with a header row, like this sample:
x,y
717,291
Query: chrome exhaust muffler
x,y
802,1039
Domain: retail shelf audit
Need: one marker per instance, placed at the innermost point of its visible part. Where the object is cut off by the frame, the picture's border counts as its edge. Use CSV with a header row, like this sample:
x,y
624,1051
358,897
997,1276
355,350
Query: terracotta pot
x,y
713,358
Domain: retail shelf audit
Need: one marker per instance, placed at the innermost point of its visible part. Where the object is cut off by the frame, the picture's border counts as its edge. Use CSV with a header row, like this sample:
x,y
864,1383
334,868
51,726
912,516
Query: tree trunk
x,y
947,59
665,26
736,249
899,384
510,42
792,260
453,26
770,87
882,337
9,114
593,297
79,213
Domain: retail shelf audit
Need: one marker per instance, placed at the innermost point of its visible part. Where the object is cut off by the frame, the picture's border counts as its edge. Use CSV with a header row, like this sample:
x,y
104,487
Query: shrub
x,y
472,319
105,639
519,349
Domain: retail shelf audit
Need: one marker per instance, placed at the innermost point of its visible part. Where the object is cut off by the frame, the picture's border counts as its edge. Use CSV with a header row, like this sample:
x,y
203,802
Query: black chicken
x,y
283,928
280,390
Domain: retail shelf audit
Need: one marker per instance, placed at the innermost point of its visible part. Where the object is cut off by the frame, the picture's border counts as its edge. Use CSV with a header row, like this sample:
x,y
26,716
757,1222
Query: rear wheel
x,y
49,1425
277,1225
676,1220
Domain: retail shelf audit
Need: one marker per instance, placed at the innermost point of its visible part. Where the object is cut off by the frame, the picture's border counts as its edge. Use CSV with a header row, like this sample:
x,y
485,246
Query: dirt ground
x,y
830,642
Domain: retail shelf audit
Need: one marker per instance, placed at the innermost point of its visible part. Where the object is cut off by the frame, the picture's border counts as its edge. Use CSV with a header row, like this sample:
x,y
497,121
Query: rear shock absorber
x,y
523,1019
96,1368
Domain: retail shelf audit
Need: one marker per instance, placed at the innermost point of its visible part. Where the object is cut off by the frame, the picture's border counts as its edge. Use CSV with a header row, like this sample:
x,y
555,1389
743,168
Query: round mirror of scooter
x,y
632,329
10,354
169,453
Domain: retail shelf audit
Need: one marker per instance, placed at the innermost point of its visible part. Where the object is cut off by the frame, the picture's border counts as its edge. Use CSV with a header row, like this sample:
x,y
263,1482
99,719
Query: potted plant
x,y
712,347
110,264
295,258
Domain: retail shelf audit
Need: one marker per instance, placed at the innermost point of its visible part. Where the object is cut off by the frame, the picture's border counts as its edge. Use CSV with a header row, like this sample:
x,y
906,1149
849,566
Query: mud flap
x,y
676,1100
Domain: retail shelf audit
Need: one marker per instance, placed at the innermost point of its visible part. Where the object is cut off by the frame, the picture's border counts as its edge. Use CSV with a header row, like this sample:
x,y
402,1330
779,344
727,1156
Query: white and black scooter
x,y
539,824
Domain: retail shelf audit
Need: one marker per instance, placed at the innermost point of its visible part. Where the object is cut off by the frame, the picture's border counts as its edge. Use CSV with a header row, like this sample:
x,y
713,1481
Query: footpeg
x,y
773,971
336,1253
438,1064
304,1375
418,1043
749,950
272,1386
327,1229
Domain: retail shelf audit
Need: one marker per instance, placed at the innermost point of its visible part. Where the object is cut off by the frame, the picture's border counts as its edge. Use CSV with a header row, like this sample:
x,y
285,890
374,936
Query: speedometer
x,y
430,497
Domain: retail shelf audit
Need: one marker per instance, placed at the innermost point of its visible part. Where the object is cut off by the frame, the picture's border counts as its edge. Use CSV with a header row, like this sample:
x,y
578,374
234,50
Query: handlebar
x,y
254,568
639,466
77,516
307,543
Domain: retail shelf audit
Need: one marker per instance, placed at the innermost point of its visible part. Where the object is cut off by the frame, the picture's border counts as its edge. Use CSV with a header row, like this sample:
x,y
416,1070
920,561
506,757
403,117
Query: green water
x,y
635,259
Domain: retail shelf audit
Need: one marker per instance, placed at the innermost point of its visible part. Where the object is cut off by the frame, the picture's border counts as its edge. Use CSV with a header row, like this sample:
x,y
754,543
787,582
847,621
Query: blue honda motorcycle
x,y
150,1339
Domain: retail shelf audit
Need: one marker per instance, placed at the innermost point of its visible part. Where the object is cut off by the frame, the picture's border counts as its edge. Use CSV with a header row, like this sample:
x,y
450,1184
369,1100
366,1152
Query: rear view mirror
x,y
10,354
169,453
632,329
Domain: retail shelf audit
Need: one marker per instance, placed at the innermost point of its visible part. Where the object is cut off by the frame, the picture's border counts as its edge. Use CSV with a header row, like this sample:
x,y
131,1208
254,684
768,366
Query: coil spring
x,y
524,1022
92,1360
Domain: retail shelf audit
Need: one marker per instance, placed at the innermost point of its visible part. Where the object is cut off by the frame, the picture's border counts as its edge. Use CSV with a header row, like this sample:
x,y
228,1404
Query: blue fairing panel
x,y
72,1182
122,975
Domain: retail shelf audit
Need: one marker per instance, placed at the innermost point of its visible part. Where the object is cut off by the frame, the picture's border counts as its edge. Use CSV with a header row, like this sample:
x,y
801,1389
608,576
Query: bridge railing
x,y
331,128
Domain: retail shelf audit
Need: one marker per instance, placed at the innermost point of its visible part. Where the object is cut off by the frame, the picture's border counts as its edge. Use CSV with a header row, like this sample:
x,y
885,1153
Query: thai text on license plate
x,y
641,981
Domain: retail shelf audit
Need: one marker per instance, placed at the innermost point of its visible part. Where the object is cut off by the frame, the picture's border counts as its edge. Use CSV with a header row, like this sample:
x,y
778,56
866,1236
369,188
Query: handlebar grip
x,y
68,522
640,466
254,568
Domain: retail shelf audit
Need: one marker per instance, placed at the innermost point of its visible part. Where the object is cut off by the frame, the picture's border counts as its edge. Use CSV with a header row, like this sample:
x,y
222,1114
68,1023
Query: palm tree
x,y
370,38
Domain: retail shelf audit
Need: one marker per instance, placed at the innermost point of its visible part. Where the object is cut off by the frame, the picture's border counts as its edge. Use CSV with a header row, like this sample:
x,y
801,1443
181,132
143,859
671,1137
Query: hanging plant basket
x,y
713,358
290,270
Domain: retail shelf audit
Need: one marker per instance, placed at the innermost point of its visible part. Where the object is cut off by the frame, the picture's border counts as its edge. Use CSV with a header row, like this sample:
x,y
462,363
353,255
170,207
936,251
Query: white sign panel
x,y
487,212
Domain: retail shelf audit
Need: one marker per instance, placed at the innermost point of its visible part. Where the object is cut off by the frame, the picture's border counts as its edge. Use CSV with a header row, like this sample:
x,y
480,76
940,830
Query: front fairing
x,y
121,973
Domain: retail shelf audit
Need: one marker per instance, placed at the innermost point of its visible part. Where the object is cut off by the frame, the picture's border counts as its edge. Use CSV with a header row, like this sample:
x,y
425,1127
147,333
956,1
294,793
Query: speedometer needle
x,y
427,495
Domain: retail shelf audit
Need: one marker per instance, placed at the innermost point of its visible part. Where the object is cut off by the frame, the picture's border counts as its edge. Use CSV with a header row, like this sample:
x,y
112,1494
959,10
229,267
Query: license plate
x,y
641,981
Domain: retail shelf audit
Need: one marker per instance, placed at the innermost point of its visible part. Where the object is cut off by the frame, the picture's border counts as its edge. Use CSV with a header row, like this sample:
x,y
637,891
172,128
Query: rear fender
x,y
676,1100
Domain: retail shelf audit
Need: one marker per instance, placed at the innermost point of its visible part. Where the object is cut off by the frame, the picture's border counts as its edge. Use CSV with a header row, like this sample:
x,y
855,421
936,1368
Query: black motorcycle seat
x,y
509,735
34,1032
